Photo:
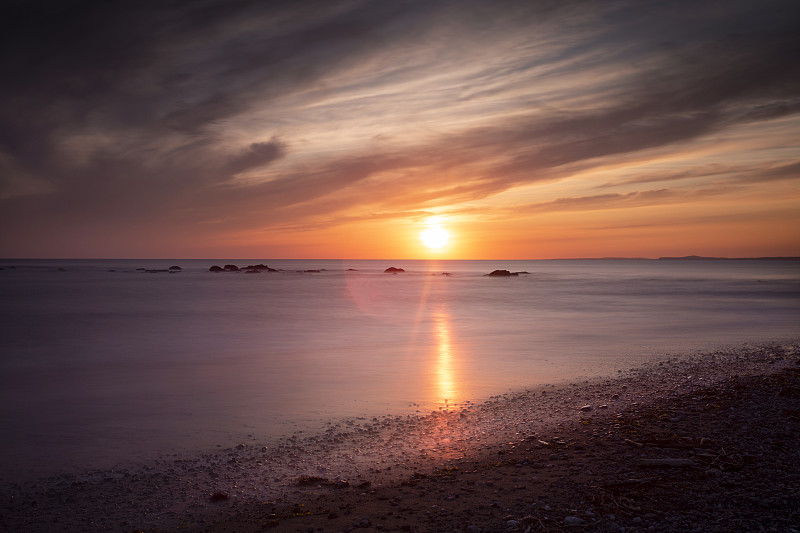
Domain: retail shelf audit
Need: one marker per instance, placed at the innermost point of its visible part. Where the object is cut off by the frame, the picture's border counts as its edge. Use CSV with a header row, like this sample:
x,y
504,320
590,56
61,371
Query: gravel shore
x,y
707,442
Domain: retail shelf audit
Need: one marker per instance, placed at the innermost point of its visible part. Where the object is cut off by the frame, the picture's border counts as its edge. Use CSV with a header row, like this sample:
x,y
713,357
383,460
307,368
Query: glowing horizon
x,y
259,130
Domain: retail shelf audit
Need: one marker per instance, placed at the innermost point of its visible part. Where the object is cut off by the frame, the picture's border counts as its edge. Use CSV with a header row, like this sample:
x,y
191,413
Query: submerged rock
x,y
175,267
231,268
393,270
216,268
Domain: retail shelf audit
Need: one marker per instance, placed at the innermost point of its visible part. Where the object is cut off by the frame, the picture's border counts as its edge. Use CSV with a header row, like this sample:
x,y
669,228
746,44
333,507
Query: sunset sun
x,y
434,237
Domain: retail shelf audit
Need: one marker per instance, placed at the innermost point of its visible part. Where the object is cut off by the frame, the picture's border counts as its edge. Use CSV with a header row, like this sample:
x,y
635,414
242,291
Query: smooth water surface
x,y
102,362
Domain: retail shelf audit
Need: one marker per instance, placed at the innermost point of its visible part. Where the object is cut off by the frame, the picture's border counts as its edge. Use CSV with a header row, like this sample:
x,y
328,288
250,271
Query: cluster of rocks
x,y
255,269
249,269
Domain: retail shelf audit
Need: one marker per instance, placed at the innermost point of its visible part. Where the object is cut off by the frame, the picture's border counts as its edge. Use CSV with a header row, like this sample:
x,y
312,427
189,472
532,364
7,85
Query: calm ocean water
x,y
102,362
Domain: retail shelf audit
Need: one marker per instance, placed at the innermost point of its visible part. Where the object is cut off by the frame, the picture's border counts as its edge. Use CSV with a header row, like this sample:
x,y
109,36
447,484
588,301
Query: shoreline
x,y
520,461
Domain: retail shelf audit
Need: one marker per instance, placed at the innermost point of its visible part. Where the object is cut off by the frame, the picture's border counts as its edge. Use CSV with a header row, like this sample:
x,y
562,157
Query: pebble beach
x,y
700,442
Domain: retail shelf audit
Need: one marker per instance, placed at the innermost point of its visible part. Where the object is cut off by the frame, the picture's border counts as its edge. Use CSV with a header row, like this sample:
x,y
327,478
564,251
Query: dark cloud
x,y
254,156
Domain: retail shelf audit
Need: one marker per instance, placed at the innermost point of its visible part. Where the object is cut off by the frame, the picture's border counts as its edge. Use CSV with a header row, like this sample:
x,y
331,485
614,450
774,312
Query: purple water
x,y
99,367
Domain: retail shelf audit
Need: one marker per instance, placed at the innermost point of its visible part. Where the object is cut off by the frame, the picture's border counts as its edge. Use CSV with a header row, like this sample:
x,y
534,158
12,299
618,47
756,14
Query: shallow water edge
x,y
176,489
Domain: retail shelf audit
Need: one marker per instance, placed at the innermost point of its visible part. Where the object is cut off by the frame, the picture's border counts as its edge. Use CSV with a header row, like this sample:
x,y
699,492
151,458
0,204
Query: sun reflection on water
x,y
443,430
447,391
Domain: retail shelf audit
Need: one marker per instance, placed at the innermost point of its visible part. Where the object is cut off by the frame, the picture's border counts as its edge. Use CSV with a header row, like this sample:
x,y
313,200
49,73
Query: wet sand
x,y
706,442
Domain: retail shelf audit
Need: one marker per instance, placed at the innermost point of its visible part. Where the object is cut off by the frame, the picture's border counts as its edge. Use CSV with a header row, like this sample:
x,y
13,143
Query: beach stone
x,y
573,521
586,408
219,496
473,529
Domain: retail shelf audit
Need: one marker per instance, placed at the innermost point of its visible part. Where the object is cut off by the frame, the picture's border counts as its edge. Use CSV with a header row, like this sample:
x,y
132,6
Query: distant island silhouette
x,y
676,258
702,258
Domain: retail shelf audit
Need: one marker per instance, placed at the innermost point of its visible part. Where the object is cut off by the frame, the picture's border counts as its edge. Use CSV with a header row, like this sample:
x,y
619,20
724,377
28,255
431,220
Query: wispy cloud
x,y
281,115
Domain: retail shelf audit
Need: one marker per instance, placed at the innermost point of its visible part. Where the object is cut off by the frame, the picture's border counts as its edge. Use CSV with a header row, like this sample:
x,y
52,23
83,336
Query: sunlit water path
x,y
102,362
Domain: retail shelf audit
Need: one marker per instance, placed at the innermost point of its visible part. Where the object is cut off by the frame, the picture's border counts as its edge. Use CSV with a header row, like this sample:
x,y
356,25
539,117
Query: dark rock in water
x,y
251,271
352,270
393,270
216,268
175,267
109,270
231,268
260,267
139,269
61,269
503,273
312,271
155,270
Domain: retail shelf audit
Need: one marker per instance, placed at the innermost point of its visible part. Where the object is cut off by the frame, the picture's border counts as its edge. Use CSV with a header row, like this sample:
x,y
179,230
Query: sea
x,y
110,361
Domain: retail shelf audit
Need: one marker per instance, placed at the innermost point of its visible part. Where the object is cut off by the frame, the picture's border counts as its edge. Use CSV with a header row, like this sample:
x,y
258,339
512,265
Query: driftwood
x,y
666,462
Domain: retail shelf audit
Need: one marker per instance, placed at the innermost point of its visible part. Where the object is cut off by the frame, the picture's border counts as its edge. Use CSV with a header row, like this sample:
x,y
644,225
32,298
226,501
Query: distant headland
x,y
701,258
683,258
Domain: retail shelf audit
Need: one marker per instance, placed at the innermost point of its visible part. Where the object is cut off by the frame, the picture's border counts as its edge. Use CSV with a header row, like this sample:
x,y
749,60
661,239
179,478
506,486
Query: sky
x,y
344,129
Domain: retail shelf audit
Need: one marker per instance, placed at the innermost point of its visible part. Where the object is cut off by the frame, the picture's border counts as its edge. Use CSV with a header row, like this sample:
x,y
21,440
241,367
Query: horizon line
x,y
606,258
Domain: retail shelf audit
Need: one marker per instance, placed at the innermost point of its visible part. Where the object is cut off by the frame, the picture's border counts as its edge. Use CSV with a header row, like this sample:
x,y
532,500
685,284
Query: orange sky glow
x,y
265,131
